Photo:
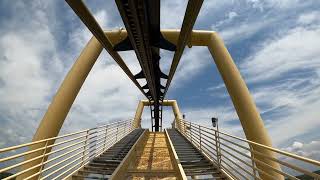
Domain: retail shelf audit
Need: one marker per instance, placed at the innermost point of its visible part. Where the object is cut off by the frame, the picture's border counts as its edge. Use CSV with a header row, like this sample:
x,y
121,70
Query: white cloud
x,y
191,63
172,13
307,149
232,15
278,4
31,71
296,145
26,81
309,18
243,31
295,94
297,122
295,50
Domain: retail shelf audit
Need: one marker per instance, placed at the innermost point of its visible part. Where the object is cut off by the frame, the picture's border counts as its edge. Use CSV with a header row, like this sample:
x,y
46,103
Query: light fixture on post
x,y
214,121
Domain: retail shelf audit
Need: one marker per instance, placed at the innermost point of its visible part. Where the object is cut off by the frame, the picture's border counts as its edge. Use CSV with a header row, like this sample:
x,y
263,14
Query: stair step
x,y
80,177
103,164
95,168
97,171
107,161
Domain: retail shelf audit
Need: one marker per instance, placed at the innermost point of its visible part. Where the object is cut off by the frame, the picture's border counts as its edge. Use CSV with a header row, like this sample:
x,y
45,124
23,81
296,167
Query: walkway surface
x,y
153,160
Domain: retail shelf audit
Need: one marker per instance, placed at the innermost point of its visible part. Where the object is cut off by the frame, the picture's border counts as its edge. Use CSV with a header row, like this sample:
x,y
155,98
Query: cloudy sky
x,y
275,44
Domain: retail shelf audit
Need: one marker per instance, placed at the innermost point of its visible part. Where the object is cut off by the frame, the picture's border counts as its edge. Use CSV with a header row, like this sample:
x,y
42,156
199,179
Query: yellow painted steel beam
x,y
172,103
197,37
191,14
88,19
137,117
174,156
244,104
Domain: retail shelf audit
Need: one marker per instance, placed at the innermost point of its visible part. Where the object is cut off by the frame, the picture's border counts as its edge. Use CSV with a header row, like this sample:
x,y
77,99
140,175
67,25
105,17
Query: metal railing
x,y
68,154
236,156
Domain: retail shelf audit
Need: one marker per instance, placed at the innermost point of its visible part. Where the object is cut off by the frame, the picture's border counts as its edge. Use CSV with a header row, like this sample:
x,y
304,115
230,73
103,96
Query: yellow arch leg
x,y
53,120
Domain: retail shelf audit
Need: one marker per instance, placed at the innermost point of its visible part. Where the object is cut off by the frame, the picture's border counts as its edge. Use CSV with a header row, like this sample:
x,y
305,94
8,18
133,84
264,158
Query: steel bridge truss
x,y
142,21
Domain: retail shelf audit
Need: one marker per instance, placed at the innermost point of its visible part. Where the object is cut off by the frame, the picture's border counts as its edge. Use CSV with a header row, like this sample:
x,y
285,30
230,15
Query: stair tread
x,y
87,177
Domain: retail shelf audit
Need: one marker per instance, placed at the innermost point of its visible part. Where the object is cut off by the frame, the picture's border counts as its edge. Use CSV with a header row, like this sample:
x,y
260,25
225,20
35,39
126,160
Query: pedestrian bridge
x,y
123,150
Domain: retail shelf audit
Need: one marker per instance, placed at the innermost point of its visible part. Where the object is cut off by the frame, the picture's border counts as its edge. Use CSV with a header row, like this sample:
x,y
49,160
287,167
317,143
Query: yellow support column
x,y
53,120
137,117
172,103
249,116
176,112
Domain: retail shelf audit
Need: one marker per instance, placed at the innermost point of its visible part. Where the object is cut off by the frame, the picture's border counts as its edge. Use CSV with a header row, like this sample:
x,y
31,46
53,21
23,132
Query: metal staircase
x,y
194,163
104,165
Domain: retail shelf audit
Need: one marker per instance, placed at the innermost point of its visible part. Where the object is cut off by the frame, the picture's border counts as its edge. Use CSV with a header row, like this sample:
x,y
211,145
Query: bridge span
x,y
123,149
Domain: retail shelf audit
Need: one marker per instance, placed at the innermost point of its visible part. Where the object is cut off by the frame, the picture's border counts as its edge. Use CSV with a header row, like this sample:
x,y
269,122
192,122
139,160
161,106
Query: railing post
x,y
43,159
183,127
85,147
94,148
253,163
125,129
105,138
132,125
173,125
219,144
117,131
200,138
128,127
217,148
190,132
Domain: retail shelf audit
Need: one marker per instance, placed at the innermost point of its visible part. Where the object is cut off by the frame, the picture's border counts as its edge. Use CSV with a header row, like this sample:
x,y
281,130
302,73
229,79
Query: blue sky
x,y
275,44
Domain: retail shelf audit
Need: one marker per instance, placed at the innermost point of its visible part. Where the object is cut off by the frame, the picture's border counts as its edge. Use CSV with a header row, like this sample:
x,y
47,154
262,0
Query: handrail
x,y
71,151
240,158
53,138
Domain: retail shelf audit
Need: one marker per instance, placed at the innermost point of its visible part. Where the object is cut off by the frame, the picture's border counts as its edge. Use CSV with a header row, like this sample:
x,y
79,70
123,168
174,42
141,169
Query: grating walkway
x,y
153,160
193,162
103,166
